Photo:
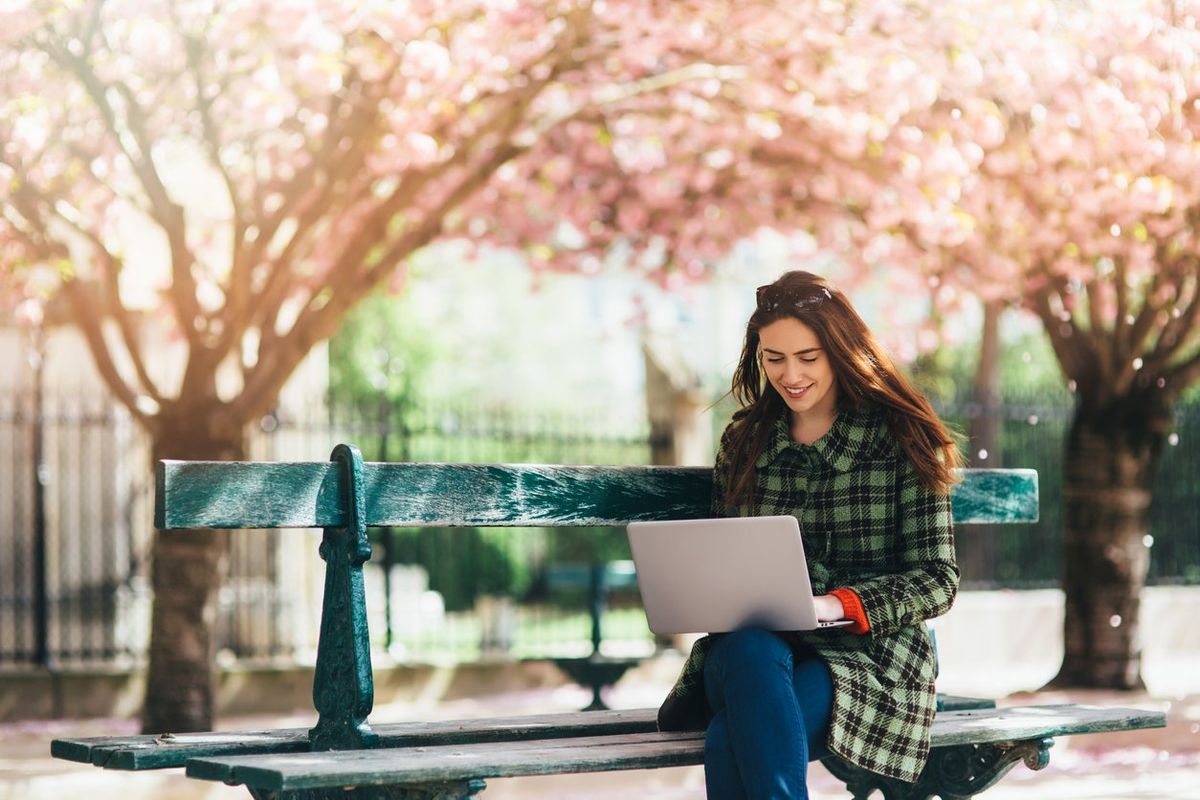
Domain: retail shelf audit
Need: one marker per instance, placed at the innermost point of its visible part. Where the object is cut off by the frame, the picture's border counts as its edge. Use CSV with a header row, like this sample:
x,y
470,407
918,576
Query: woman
x,y
831,432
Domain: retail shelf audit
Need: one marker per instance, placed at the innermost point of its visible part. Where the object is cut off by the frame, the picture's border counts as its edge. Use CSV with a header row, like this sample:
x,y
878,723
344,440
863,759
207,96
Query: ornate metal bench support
x,y
343,687
953,773
455,790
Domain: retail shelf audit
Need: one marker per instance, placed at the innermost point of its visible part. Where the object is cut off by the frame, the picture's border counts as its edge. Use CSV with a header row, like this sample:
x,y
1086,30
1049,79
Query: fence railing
x,y
1032,435
74,576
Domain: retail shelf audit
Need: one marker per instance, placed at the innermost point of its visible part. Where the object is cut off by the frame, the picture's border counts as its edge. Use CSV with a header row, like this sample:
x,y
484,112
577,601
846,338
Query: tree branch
x,y
312,326
618,93
300,187
1099,335
164,211
269,301
111,272
1183,375
511,107
90,323
239,282
1120,355
1064,338
1179,328
120,314
1143,325
431,226
511,110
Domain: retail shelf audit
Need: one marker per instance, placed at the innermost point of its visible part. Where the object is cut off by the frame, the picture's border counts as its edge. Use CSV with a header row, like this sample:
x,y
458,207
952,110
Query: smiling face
x,y
798,368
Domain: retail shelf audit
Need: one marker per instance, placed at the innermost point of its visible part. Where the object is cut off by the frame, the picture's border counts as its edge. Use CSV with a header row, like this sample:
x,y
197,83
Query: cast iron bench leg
x,y
953,773
454,790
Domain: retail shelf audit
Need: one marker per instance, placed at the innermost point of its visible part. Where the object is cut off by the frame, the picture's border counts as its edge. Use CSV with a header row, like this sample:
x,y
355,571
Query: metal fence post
x,y
37,357
386,533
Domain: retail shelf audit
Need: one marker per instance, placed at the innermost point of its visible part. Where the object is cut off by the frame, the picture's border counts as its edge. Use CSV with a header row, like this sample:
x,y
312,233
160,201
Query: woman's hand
x,y
829,608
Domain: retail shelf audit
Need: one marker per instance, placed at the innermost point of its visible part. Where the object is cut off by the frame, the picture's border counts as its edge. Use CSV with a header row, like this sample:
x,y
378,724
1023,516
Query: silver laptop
x,y
717,575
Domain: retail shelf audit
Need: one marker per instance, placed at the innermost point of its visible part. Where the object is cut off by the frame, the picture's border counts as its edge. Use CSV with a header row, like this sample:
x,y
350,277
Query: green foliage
x,y
1028,370
587,545
381,351
464,563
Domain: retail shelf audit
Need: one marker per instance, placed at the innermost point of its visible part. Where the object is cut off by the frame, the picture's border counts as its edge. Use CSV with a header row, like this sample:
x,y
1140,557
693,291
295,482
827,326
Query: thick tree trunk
x,y
1111,459
187,569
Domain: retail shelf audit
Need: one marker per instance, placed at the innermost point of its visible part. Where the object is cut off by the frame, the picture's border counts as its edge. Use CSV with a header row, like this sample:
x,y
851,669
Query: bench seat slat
x,y
152,752
206,494
976,726
623,751
454,762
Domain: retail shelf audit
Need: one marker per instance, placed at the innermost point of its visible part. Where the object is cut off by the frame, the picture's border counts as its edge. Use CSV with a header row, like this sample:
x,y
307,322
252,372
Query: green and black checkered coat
x,y
870,525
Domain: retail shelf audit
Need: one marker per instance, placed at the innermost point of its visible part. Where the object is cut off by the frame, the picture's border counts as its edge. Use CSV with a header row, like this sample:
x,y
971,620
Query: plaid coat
x,y
870,525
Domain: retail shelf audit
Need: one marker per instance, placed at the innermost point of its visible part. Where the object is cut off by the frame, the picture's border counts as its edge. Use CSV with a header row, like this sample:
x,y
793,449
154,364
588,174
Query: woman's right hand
x,y
829,608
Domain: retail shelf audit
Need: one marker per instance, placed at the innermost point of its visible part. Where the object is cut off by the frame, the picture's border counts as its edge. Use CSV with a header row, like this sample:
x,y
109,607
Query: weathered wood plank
x,y
976,726
625,751
432,764
200,494
303,495
148,752
153,752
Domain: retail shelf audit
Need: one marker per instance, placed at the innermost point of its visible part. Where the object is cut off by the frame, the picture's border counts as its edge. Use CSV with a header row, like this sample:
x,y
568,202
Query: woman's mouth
x,y
797,392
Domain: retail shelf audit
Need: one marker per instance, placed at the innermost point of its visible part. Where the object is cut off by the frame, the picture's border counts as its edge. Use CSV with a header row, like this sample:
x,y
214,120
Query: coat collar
x,y
851,438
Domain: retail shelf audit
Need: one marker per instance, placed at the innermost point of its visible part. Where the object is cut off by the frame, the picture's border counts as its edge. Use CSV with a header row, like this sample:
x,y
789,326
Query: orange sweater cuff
x,y
854,610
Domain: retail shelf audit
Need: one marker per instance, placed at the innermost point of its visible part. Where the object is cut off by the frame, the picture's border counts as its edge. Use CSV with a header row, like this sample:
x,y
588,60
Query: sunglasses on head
x,y
771,297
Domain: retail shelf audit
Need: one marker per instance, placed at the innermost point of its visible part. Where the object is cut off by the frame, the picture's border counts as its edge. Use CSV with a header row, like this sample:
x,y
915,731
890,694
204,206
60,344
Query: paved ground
x,y
1142,765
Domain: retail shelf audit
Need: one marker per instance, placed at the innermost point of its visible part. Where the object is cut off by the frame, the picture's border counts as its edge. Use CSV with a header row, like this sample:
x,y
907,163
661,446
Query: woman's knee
x,y
753,646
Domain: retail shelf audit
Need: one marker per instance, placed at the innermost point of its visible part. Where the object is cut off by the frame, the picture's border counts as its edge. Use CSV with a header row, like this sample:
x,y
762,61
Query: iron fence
x,y
1031,434
73,508
75,542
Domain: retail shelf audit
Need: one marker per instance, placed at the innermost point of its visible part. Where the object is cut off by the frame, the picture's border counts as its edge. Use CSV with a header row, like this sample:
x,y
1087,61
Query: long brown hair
x,y
864,373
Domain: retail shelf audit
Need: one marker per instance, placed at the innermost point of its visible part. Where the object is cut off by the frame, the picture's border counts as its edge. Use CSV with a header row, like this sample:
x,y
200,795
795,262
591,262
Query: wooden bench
x,y
343,756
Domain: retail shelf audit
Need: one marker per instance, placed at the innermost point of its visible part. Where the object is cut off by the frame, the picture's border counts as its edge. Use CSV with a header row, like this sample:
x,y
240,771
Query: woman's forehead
x,y
788,335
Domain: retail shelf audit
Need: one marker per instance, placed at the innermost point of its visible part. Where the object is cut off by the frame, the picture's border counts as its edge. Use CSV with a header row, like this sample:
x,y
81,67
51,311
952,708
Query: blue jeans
x,y
771,717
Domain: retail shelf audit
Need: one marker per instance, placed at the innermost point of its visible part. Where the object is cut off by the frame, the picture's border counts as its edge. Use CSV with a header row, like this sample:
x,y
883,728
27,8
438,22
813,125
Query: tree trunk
x,y
984,429
977,552
680,432
1111,459
187,569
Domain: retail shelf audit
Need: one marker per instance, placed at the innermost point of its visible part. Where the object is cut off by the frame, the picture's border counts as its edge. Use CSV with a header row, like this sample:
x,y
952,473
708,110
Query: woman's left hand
x,y
829,608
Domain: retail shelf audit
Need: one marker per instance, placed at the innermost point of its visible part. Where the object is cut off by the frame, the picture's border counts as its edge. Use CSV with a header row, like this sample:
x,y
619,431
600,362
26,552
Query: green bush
x,y
465,563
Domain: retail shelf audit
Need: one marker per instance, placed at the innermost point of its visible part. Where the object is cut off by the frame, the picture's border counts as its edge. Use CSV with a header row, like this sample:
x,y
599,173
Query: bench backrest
x,y
213,494
345,496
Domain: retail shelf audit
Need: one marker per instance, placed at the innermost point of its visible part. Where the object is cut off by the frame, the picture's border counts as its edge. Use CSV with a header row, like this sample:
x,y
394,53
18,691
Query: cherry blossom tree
x,y
338,139
1101,174
290,158
1078,129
